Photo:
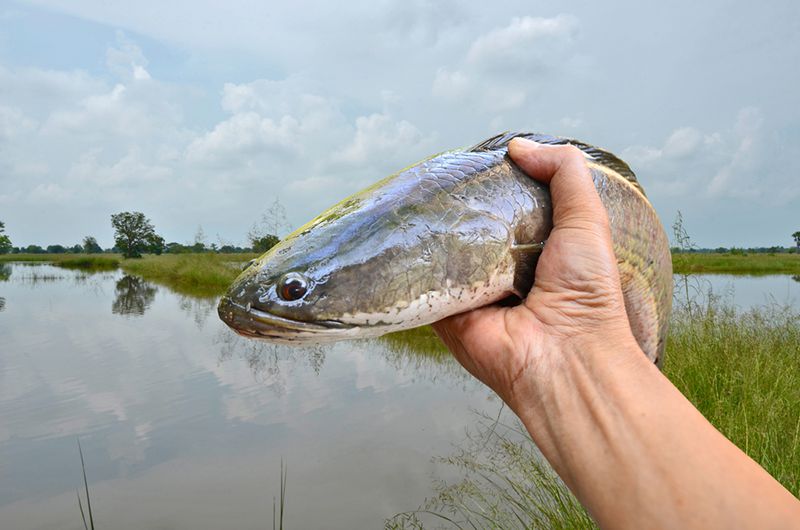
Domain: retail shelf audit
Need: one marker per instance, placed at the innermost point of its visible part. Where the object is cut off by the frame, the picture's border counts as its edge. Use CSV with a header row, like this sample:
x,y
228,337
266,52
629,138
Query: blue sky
x,y
200,114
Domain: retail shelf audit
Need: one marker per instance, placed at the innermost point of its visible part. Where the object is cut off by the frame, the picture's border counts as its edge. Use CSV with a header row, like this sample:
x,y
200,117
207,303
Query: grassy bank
x,y
86,262
192,274
89,263
742,371
688,263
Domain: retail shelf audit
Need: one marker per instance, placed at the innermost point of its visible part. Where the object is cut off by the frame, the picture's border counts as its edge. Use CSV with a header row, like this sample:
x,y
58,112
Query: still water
x,y
184,424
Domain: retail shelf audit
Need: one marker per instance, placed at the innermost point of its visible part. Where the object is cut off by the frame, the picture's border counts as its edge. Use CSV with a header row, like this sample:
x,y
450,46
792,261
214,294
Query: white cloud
x,y
504,66
13,123
740,162
126,60
450,84
242,135
379,137
527,45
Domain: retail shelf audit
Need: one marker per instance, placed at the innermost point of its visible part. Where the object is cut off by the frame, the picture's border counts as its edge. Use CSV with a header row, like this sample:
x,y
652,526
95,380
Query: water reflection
x,y
796,277
199,309
133,296
2,303
5,272
270,364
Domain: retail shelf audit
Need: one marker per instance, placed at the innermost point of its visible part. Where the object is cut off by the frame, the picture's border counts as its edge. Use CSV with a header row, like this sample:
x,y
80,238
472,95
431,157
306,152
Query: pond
x,y
183,424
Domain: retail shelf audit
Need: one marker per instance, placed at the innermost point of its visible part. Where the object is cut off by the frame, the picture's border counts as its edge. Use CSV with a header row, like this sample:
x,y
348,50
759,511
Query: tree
x,y
134,234
199,240
56,249
796,237
5,241
263,244
90,245
265,233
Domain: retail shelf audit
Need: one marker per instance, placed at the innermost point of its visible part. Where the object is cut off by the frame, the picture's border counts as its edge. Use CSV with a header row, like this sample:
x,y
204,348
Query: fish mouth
x,y
251,322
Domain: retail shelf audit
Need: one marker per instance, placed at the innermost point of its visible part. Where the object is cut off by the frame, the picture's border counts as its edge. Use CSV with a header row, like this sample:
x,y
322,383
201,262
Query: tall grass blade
x,y
86,487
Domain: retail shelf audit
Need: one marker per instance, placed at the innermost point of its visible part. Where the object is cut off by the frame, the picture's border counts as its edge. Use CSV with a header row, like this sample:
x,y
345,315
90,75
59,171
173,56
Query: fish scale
x,y
454,232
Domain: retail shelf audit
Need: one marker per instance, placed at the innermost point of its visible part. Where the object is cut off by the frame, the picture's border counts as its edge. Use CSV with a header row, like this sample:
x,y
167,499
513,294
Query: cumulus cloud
x,y
528,45
503,66
740,162
379,137
127,60
13,123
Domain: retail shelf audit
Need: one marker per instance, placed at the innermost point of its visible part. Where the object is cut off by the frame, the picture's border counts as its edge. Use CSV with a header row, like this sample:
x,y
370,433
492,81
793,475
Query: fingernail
x,y
525,141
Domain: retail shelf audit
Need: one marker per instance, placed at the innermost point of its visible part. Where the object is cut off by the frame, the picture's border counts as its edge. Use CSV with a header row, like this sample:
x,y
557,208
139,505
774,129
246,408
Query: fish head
x,y
347,274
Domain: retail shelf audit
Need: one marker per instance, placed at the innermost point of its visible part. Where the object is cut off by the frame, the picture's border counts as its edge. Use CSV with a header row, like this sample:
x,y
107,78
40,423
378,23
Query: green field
x,y
207,269
754,264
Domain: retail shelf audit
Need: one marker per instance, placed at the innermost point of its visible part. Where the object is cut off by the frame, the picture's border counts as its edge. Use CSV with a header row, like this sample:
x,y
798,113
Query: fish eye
x,y
292,286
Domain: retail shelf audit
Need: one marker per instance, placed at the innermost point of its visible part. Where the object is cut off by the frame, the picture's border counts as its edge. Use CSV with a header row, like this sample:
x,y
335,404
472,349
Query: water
x,y
745,291
184,424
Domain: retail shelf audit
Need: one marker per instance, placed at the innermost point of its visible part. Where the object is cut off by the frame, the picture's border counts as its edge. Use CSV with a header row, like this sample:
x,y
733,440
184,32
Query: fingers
x,y
563,167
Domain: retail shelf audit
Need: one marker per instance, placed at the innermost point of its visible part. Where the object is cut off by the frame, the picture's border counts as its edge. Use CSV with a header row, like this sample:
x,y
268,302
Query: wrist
x,y
579,367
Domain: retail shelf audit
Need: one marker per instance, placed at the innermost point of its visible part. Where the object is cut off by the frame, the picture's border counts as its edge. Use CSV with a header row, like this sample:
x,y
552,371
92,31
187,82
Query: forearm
x,y
638,454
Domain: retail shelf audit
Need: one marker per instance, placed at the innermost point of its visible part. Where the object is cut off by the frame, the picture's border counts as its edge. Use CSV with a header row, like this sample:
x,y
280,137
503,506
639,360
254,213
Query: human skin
x,y
632,448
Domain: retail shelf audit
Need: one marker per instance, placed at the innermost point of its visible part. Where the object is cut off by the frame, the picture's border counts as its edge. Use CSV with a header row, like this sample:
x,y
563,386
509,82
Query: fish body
x,y
454,232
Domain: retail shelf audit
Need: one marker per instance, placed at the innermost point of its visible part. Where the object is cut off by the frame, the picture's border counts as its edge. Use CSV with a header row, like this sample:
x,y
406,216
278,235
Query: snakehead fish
x,y
454,232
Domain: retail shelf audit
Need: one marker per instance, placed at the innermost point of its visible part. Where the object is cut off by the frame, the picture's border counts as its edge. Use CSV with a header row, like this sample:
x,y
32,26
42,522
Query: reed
x,y
202,275
735,263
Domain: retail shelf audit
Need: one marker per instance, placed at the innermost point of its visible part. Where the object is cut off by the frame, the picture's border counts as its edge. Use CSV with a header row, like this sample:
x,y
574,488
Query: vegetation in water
x,y
203,275
89,263
506,483
86,262
740,369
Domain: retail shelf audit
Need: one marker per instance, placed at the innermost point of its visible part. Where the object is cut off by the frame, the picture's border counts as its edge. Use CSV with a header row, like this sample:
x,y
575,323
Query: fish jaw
x,y
251,322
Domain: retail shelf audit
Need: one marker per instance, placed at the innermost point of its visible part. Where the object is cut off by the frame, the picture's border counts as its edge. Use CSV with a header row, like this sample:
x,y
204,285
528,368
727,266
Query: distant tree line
x,y
135,234
736,250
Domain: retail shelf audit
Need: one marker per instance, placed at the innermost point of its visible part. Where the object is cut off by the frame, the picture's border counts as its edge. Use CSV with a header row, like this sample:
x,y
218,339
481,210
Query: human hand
x,y
576,300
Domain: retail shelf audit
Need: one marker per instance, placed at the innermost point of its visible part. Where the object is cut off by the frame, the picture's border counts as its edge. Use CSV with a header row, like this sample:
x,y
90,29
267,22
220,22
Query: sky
x,y
200,114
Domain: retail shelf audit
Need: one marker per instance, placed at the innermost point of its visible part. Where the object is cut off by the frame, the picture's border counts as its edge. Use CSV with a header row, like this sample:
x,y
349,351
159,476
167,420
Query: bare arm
x,y
634,451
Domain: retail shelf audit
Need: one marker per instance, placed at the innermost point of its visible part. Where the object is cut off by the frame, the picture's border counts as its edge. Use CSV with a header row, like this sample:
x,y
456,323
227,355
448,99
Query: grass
x,y
86,262
90,525
90,263
754,264
202,275
506,484
742,371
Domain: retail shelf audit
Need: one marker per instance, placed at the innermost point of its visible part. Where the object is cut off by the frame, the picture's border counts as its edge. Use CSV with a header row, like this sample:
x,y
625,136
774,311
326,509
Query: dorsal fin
x,y
601,156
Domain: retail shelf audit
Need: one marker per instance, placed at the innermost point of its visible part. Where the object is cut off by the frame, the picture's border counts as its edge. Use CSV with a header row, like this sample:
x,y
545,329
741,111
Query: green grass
x,y
203,275
89,263
57,258
742,371
755,264
506,483
86,262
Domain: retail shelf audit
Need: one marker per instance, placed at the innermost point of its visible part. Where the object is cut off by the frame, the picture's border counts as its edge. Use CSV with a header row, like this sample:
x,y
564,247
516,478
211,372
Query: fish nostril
x,y
260,302
249,264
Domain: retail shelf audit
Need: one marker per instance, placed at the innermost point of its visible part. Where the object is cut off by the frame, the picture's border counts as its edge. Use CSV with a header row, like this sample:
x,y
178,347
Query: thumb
x,y
575,200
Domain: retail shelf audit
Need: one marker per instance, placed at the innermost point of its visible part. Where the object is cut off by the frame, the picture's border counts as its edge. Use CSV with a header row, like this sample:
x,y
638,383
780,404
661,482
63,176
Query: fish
x,y
459,230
